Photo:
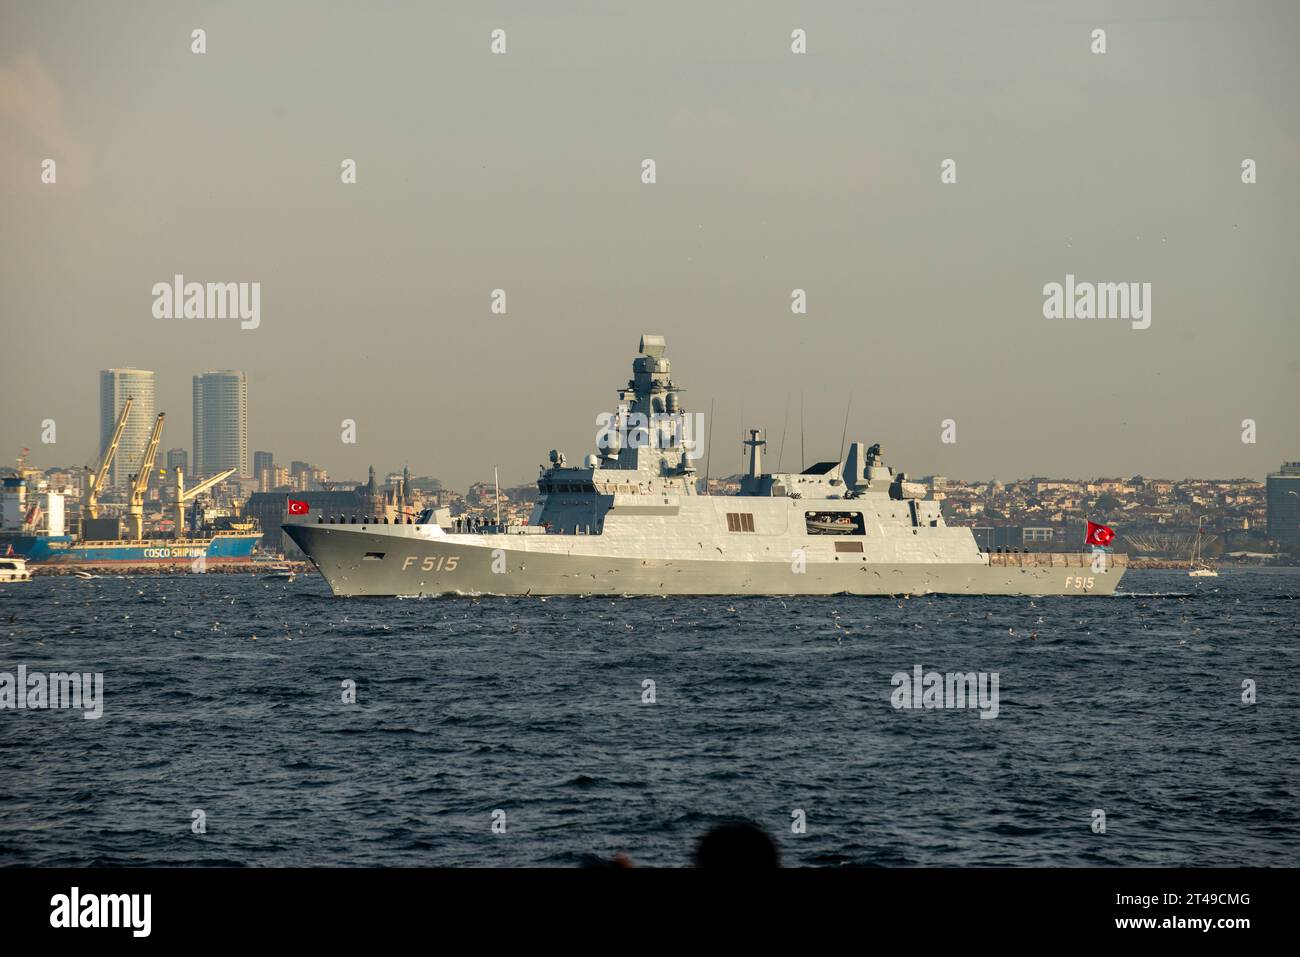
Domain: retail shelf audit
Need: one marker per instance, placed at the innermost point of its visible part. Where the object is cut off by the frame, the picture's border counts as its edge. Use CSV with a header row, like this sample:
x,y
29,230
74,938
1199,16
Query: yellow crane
x,y
140,483
183,496
96,480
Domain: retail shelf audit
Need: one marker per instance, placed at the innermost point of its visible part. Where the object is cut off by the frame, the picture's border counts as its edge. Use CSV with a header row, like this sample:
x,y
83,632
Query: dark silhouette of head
x,y
737,845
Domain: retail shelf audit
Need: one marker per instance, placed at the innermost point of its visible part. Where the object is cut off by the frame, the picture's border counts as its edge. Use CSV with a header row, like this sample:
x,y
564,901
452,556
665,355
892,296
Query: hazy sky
x,y
775,171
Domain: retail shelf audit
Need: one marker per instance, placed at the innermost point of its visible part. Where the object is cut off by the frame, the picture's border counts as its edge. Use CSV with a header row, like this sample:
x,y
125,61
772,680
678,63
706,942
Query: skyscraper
x,y
1283,491
178,459
114,386
220,423
262,460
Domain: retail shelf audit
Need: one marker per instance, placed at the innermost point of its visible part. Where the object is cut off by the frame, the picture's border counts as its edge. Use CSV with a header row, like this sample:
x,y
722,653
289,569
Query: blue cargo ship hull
x,y
223,548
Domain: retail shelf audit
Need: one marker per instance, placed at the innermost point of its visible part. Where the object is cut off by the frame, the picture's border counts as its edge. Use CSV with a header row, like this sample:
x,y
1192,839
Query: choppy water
x,y
1130,704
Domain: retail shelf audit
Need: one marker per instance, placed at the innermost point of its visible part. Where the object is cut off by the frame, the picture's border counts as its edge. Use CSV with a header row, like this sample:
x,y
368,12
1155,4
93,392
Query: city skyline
x,y
388,467
143,412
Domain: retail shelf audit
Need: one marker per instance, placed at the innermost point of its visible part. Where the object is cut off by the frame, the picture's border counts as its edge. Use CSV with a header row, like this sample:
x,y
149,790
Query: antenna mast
x,y
780,454
845,434
803,458
708,455
741,463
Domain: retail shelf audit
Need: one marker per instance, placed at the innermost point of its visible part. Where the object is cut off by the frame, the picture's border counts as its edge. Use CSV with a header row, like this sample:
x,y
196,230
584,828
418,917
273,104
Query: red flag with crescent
x,y
1099,534
298,508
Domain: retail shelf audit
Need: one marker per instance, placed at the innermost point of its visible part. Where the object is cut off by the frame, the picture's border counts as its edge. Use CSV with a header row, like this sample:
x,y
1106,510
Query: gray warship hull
x,y
631,520
382,560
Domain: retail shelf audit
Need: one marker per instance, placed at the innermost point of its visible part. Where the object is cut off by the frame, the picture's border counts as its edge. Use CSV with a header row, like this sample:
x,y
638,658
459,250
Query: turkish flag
x,y
298,508
1099,534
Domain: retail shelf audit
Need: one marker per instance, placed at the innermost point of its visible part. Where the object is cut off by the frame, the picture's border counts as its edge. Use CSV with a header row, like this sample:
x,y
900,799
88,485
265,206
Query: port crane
x,y
140,482
183,495
97,479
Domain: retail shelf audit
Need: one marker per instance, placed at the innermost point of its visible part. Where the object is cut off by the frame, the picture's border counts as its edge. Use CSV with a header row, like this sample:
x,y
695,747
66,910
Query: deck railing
x,y
1054,559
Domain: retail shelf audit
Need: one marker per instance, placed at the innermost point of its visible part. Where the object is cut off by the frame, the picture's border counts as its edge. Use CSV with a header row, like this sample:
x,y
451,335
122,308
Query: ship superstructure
x,y
630,520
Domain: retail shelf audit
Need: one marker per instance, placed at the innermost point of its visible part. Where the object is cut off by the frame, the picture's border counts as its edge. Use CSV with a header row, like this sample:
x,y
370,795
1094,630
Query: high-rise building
x,y
270,479
1283,496
114,386
178,459
262,460
220,423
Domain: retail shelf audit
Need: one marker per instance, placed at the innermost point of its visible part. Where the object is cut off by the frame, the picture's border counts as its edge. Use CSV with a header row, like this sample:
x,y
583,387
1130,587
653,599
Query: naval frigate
x,y
631,520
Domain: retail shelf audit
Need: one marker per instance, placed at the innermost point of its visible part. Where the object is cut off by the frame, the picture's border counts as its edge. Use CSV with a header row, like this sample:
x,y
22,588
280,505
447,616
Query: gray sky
x,y
775,171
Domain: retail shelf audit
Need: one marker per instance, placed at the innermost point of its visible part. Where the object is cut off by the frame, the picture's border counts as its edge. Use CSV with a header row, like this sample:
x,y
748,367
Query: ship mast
x,y
755,459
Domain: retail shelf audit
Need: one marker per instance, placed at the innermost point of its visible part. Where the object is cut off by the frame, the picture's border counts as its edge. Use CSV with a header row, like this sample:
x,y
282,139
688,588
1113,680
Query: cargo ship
x,y
225,546
35,530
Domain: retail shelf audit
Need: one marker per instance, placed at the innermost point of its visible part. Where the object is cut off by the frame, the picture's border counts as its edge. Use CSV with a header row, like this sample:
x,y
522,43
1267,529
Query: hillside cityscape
x,y
1155,518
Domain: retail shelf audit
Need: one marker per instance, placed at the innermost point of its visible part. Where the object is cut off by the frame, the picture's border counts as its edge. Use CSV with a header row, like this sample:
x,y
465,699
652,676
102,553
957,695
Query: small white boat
x,y
86,575
1200,569
832,524
14,569
280,573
